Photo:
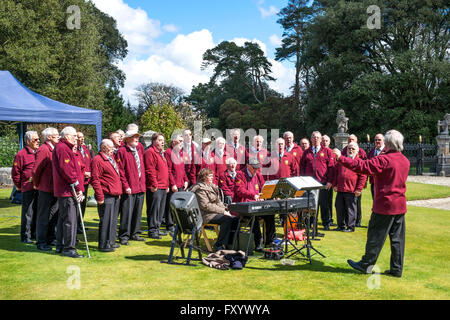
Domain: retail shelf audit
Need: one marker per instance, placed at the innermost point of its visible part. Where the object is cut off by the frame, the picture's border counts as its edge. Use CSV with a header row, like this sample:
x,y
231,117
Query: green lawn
x,y
135,272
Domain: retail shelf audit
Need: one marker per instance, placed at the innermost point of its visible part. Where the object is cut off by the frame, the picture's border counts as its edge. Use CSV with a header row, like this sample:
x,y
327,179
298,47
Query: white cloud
x,y
275,40
265,13
170,28
242,41
284,77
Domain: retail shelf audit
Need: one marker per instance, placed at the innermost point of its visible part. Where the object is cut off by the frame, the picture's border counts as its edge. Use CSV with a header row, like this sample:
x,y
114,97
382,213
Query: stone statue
x,y
342,121
444,125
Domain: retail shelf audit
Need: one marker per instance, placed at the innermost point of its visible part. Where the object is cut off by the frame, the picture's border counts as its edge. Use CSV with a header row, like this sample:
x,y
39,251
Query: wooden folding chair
x,y
205,236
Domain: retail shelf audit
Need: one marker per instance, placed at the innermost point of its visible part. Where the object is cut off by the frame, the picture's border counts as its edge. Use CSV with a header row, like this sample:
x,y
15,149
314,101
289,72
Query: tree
x,y
245,66
162,118
117,114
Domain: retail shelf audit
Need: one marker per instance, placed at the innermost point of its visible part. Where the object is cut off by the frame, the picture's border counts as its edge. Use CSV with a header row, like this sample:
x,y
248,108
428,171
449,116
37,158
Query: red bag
x,y
299,235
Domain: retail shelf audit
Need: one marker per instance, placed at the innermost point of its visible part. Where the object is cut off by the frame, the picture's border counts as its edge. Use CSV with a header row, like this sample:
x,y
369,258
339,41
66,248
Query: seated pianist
x,y
212,208
249,183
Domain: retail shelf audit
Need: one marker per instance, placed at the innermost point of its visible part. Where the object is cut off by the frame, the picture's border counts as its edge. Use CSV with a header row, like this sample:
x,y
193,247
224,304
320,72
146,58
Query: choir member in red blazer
x,y
21,174
132,175
282,164
362,155
191,156
157,178
47,208
326,141
106,183
66,175
376,151
237,150
220,158
178,180
86,156
390,171
207,158
348,185
248,186
318,162
292,147
304,144
258,151
227,180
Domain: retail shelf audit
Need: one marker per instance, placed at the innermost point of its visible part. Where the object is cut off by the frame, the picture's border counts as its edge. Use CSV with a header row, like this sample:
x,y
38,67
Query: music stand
x,y
288,187
188,220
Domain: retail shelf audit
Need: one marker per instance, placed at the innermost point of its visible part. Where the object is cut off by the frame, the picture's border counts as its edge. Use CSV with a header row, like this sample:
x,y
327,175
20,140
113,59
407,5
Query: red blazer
x,y
156,169
66,170
262,155
105,179
320,167
22,170
190,164
297,152
129,174
87,161
82,166
347,180
241,155
220,165
226,183
390,171
286,168
175,164
370,156
206,162
42,172
247,187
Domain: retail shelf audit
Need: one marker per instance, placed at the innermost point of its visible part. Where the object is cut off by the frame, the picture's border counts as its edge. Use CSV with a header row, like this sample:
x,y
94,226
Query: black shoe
x,y
348,230
106,249
27,241
137,238
44,247
124,242
358,266
332,224
154,236
116,245
393,274
326,227
162,233
217,248
58,250
339,229
71,254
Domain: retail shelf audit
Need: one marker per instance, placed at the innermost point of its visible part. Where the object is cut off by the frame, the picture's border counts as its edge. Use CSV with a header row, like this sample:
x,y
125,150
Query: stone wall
x,y
5,177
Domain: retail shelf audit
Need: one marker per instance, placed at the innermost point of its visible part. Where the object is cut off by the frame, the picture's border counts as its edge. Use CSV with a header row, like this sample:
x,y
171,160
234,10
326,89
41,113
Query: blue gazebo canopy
x,y
20,104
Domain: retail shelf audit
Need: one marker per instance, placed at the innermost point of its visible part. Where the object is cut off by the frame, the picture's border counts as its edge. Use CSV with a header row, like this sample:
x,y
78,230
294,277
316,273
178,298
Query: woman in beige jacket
x,y
212,208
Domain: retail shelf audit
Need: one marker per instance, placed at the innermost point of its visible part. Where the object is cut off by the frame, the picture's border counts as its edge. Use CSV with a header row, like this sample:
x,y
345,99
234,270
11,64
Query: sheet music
x,y
302,183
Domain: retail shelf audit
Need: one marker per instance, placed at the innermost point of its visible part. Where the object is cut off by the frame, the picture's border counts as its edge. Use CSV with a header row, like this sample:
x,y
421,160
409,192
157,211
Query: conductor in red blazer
x,y
390,171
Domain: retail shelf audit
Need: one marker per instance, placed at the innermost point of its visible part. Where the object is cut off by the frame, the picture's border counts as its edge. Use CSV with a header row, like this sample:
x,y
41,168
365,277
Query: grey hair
x,y
316,132
105,143
355,145
256,137
120,131
132,126
48,132
67,130
393,139
288,133
221,139
280,139
29,135
231,159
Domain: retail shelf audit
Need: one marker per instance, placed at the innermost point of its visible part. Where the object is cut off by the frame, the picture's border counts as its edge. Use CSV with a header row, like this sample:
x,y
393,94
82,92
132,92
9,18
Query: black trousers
x,y
47,218
156,204
270,230
358,210
66,231
28,216
325,211
167,212
227,224
346,207
107,227
130,220
380,226
372,190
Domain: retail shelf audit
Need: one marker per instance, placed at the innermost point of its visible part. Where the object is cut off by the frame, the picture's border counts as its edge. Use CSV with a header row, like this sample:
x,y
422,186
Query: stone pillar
x,y
443,155
340,140
146,138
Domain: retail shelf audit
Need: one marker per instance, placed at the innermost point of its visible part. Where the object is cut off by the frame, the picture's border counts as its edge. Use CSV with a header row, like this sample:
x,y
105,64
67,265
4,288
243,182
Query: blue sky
x,y
167,38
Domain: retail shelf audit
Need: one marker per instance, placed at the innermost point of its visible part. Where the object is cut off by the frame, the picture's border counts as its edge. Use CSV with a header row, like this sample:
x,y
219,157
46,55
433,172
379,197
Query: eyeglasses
x,y
36,140
351,149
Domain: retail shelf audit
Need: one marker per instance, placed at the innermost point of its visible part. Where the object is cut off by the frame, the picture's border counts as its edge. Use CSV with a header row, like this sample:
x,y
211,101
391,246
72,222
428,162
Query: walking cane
x,y
81,219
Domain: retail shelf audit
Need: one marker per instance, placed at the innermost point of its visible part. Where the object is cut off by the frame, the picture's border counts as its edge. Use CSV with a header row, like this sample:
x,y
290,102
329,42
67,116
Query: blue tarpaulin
x,y
20,104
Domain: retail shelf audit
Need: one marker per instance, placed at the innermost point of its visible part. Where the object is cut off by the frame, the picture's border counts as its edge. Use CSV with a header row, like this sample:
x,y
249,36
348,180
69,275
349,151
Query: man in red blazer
x,y
390,171
191,156
66,175
178,180
376,151
157,181
292,147
258,151
47,208
21,174
86,157
237,150
227,180
132,175
282,164
318,162
107,187
220,158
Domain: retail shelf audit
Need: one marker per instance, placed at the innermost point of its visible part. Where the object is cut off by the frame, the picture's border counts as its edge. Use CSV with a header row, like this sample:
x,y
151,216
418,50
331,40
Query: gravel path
x,y
441,181
443,203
